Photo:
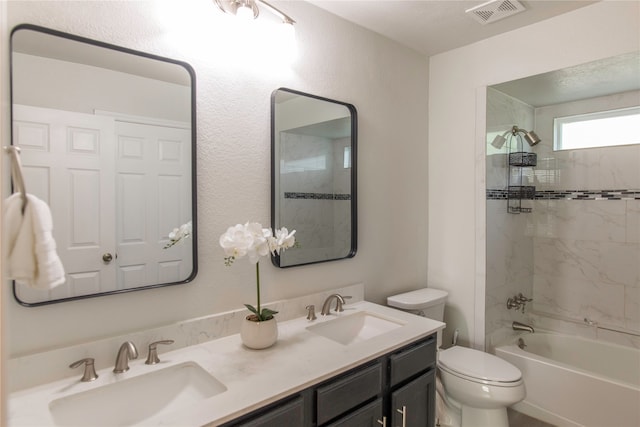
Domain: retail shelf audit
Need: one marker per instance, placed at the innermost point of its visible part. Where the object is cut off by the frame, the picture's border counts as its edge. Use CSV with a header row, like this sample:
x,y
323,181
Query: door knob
x,y
107,258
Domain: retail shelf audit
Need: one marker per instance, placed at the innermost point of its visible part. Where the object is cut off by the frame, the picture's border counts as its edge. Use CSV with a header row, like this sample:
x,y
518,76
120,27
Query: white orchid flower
x,y
254,241
177,235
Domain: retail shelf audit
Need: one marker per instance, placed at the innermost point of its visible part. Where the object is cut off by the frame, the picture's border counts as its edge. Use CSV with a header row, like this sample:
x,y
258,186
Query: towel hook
x,y
16,173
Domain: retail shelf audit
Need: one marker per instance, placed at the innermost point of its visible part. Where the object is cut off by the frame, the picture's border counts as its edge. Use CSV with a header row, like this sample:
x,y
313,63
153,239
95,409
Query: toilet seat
x,y
479,367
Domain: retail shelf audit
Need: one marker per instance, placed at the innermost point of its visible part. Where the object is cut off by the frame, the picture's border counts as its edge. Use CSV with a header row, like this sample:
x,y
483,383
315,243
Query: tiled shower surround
x,y
317,164
577,254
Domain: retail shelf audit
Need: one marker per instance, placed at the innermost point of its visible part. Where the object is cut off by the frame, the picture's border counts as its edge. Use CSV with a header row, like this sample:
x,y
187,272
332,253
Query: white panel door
x,y
154,197
68,161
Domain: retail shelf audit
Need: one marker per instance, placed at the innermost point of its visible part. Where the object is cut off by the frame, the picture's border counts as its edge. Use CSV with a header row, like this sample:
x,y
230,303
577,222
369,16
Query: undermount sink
x,y
141,400
355,328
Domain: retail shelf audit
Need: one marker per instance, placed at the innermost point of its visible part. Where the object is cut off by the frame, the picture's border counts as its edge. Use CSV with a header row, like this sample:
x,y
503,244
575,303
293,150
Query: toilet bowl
x,y
474,388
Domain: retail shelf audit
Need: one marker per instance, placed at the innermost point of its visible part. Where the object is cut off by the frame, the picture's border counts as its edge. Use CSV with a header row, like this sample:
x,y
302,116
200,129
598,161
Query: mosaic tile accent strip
x,y
317,196
494,194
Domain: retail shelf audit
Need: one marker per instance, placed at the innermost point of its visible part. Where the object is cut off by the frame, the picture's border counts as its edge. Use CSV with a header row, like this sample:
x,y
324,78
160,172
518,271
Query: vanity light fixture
x,y
246,9
529,136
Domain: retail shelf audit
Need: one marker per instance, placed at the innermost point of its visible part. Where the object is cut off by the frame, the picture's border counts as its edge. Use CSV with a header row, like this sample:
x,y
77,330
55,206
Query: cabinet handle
x,y
383,423
403,411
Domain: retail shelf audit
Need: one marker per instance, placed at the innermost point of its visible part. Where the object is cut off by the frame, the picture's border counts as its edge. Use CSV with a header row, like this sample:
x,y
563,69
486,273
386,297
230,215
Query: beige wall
x,y
457,91
386,82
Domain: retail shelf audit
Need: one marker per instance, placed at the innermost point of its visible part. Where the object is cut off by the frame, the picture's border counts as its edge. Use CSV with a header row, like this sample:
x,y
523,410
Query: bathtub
x,y
572,381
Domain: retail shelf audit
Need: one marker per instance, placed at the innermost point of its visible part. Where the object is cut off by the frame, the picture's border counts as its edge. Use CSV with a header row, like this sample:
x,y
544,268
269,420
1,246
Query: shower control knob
x,y
513,303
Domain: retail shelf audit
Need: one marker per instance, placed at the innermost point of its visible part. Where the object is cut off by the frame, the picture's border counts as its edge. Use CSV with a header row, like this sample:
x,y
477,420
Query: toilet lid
x,y
478,365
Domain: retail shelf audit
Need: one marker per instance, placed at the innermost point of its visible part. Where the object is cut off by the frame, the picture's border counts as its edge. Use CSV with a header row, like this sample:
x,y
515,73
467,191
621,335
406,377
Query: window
x,y
346,159
600,129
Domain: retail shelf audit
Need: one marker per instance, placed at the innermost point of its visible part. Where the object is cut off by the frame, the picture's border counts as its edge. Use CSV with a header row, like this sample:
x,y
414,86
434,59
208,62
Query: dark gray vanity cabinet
x,y
412,384
414,403
394,390
291,411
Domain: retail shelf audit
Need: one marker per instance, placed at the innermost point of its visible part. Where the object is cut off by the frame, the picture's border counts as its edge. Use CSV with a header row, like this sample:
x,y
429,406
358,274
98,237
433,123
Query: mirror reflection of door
x,y
76,185
106,137
313,155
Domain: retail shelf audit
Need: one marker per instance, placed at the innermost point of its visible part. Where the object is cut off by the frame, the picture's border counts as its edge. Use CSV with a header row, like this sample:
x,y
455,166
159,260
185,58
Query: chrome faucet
x,y
127,351
326,307
517,326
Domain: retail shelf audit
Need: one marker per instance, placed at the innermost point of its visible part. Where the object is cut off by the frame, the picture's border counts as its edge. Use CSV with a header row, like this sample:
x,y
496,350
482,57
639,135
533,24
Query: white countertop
x,y
253,378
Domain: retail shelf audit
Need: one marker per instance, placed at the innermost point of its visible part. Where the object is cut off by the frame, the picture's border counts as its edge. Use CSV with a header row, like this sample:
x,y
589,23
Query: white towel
x,y
32,258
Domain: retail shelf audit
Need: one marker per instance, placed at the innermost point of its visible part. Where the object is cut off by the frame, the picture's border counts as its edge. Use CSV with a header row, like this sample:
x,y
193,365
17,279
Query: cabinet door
x,y
286,414
413,405
368,416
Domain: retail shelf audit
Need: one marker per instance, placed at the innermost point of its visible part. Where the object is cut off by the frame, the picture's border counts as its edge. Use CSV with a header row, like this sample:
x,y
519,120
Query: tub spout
x,y
517,326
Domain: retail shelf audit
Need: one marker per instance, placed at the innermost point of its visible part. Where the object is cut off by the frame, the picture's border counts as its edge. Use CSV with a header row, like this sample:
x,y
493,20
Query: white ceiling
x,y
435,26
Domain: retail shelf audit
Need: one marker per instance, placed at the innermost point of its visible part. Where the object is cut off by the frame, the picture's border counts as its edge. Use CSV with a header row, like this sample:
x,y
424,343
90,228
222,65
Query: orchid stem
x,y
258,289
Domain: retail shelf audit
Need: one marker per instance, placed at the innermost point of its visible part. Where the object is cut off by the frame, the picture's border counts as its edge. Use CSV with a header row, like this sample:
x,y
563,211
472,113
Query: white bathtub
x,y
572,381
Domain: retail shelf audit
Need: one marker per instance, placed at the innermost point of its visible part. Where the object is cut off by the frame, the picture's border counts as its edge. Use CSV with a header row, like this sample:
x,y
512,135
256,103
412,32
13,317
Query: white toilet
x,y
474,388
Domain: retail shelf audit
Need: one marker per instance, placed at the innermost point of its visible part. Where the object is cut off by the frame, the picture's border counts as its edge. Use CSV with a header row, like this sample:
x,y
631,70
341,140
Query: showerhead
x,y
499,141
531,137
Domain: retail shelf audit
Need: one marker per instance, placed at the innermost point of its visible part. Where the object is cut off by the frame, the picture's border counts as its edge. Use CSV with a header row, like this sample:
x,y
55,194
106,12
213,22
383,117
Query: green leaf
x,y
252,309
267,314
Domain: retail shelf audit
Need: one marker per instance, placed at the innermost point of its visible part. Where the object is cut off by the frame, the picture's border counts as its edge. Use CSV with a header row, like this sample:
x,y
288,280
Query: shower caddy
x,y
517,162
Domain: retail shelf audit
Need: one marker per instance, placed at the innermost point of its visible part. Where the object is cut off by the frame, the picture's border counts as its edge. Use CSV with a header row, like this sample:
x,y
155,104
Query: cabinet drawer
x,y
347,392
290,412
413,360
368,415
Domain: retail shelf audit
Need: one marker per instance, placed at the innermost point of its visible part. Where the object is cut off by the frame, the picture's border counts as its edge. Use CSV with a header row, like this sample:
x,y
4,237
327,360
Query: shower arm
x,y
516,130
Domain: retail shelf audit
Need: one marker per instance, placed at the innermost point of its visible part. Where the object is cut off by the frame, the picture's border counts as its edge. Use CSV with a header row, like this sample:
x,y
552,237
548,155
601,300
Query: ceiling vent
x,y
495,10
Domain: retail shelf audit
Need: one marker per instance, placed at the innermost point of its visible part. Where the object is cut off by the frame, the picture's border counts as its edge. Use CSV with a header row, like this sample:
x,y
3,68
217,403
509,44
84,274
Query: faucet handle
x,y
152,357
311,312
522,299
89,369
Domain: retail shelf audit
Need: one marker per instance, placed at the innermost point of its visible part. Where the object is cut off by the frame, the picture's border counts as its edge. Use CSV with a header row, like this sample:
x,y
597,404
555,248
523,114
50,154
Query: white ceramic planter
x,y
259,335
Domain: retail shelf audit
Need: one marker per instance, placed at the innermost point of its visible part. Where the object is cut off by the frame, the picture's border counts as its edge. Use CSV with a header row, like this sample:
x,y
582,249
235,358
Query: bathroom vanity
x,y
368,363
395,389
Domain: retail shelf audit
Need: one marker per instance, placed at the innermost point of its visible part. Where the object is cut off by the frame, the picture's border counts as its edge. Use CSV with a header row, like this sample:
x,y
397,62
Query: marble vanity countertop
x,y
253,378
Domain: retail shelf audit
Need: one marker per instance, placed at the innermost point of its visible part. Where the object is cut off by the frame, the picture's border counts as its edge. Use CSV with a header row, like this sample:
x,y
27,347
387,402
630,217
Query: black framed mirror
x,y
313,176
108,140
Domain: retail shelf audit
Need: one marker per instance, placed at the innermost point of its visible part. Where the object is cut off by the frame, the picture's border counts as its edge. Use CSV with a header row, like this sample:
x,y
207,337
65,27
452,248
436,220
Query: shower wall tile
x,y
632,307
604,262
579,299
599,220
509,269
504,111
585,254
588,169
619,167
633,221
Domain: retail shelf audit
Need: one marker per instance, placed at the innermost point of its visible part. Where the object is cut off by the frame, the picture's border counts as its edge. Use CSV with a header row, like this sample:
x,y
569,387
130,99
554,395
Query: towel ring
x,y
16,173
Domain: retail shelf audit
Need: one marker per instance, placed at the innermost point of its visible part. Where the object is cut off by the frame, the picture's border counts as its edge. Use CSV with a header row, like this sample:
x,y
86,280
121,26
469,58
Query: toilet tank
x,y
427,302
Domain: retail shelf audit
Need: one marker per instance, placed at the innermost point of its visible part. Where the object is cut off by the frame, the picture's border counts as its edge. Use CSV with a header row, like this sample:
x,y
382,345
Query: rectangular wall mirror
x,y
313,176
107,139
